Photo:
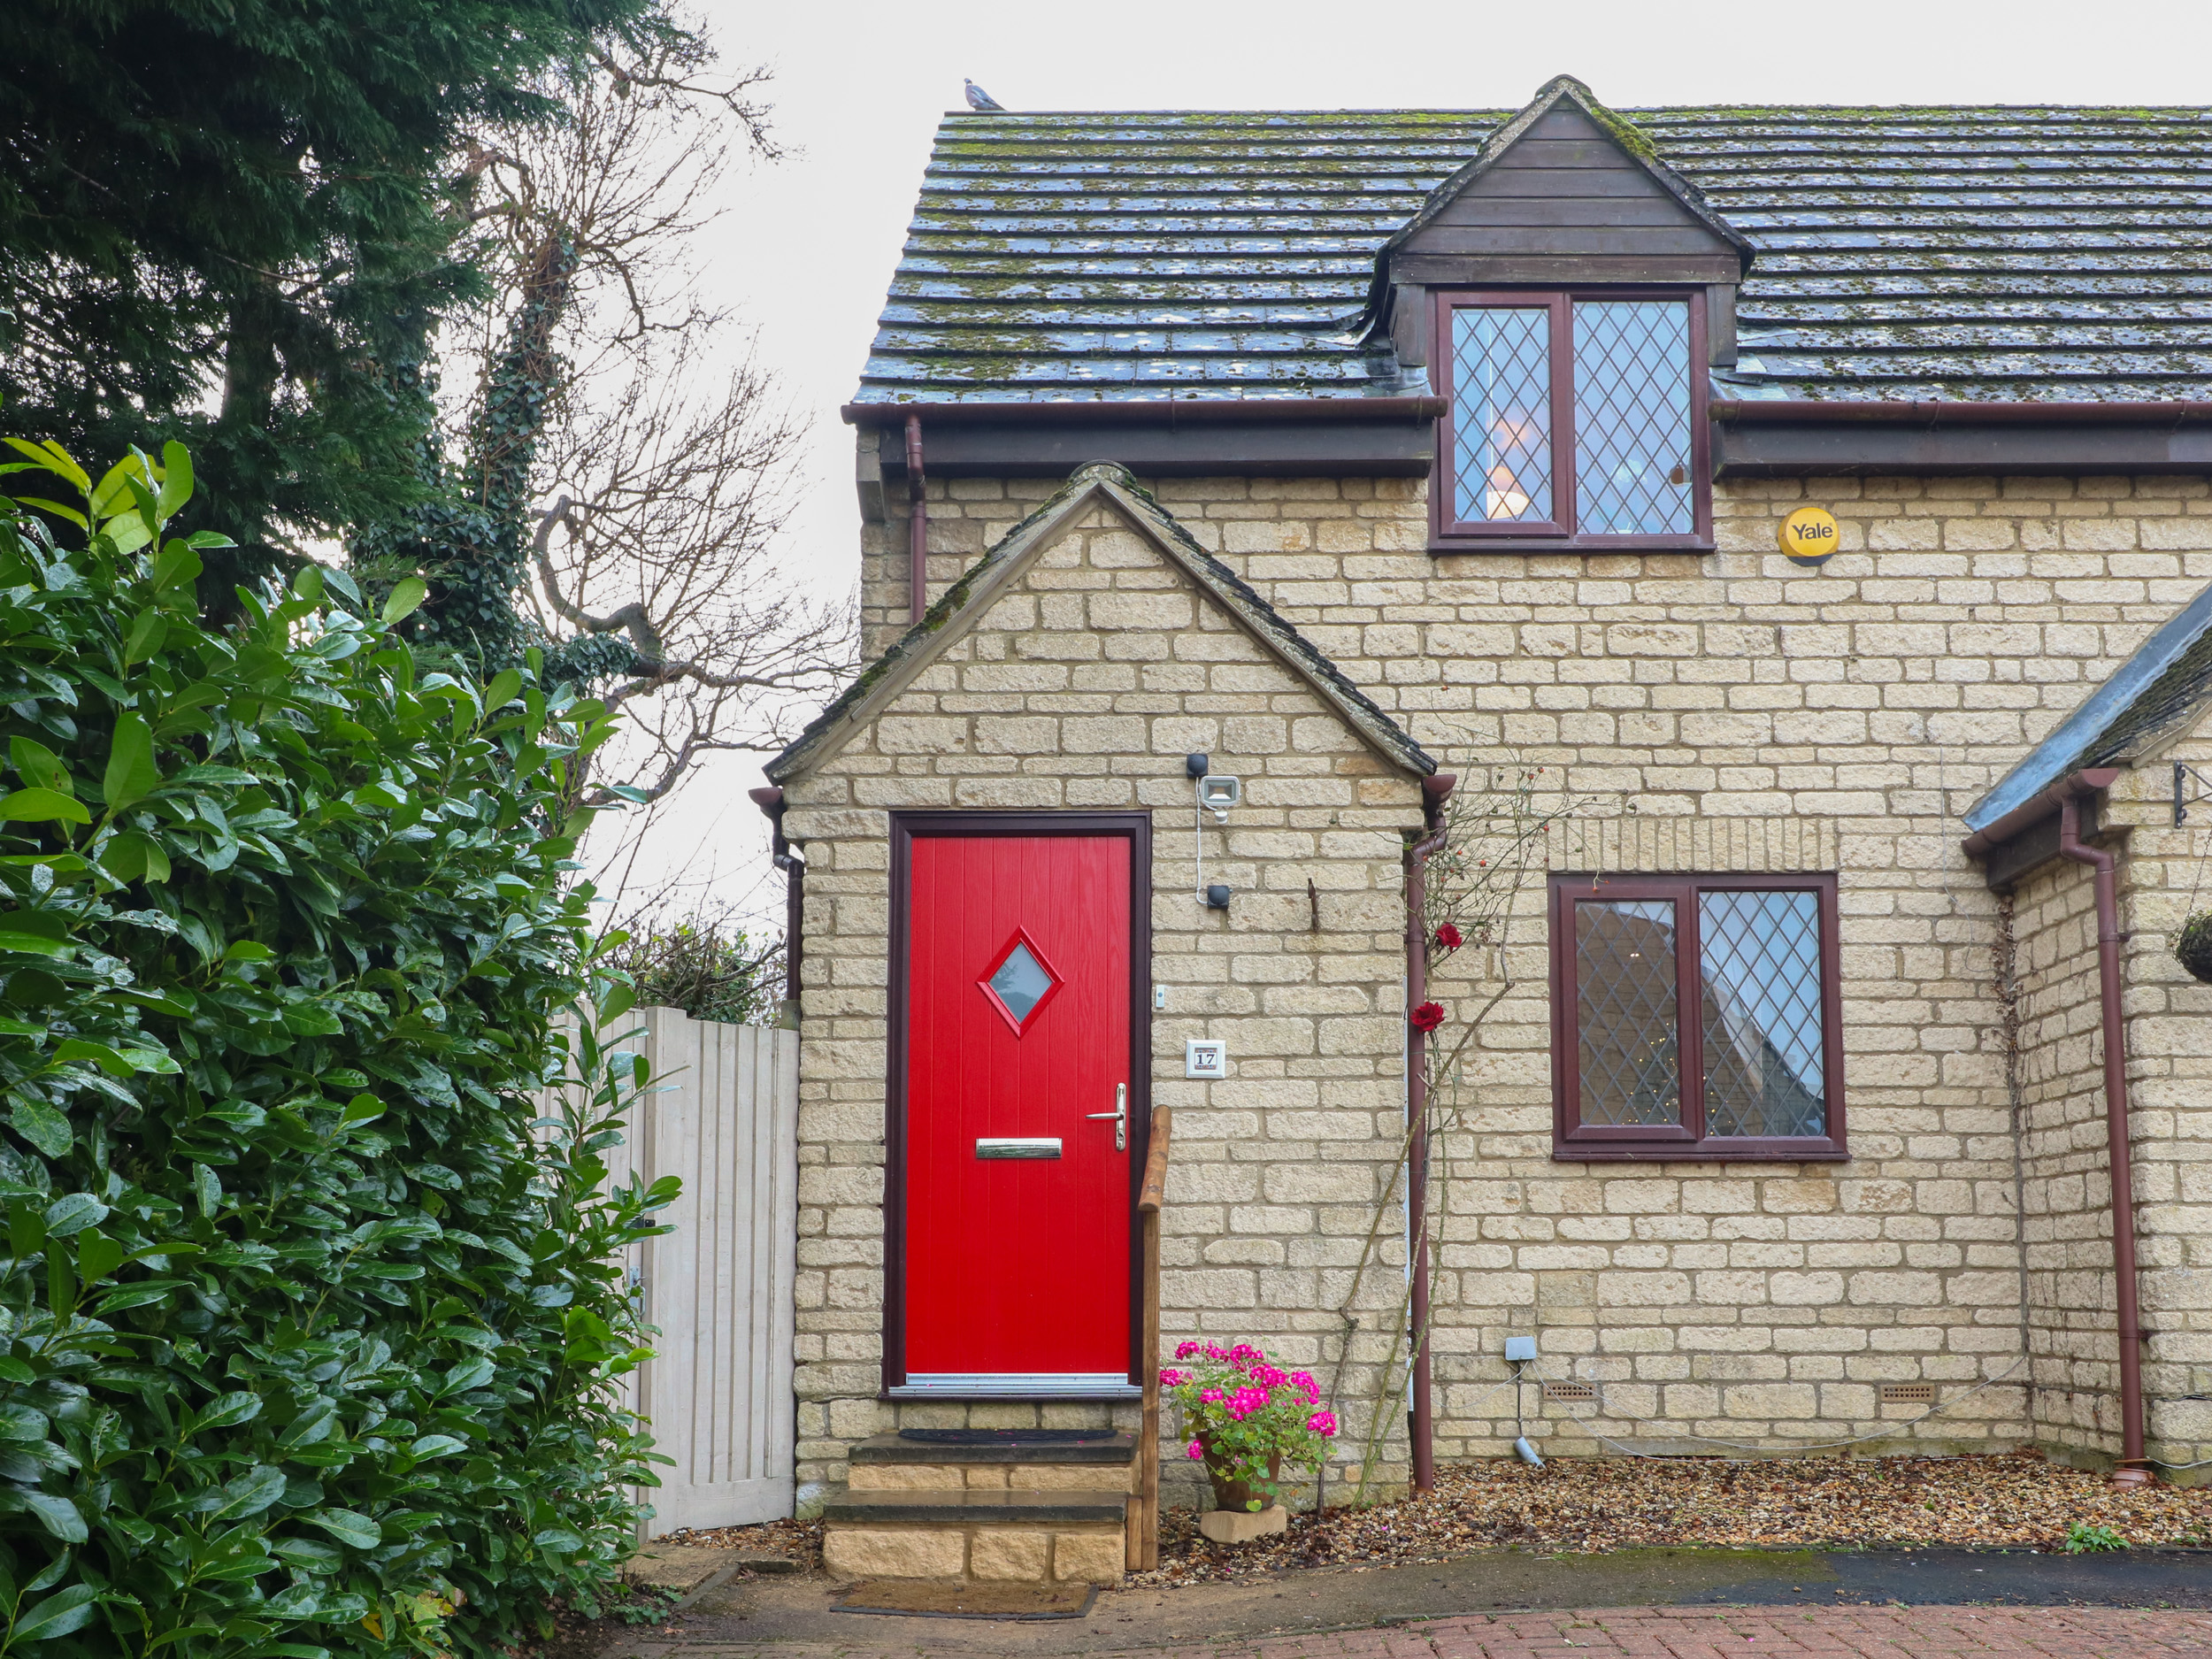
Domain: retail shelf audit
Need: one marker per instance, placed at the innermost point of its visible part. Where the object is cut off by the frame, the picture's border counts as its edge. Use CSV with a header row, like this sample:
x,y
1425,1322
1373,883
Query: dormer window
x,y
1575,418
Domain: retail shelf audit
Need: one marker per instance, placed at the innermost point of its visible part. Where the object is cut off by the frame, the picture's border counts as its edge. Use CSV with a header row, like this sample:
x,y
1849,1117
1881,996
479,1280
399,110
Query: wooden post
x,y
1144,1549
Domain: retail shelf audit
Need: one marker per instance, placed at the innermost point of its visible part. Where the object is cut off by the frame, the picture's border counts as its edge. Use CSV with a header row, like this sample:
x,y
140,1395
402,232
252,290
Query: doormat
x,y
919,1598
1007,1437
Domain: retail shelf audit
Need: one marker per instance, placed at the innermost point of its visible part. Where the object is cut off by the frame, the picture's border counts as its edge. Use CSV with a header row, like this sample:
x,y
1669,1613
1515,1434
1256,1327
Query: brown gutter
x,y
1434,789
1957,413
916,523
2134,1469
770,800
2064,797
1176,411
2038,808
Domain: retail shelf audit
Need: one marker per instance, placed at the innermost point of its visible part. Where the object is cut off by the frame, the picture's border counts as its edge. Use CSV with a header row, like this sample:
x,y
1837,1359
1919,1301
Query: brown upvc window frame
x,y
1561,533
1573,1140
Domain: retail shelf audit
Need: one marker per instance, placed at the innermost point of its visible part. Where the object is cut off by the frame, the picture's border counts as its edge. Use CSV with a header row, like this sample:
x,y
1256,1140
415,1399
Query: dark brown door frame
x,y
905,827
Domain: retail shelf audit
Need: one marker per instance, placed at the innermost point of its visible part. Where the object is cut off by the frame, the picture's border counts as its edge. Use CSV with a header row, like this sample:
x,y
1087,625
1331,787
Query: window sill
x,y
1703,1152
1573,544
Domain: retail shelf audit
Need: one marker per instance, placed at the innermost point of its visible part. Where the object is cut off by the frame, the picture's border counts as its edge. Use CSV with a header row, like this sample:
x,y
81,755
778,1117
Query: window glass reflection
x,y
1502,414
1628,1059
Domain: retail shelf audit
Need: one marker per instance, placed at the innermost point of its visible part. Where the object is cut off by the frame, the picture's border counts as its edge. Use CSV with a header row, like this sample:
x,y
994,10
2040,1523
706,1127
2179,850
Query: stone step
x,y
1011,1446
890,1463
909,1508
1076,1535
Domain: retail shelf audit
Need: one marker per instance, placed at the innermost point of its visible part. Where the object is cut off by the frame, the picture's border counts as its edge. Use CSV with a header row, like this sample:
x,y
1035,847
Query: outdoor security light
x,y
1217,792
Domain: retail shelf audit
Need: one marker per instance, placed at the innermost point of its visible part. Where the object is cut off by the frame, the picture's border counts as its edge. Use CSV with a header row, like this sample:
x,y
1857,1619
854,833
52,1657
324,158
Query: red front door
x,y
1018,1178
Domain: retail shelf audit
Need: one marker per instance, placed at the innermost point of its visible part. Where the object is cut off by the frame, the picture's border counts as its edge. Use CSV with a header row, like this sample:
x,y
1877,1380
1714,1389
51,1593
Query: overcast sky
x,y
808,245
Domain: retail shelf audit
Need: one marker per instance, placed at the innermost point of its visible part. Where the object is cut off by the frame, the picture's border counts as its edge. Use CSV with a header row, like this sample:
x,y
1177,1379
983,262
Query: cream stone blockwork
x,y
1089,678
853,1552
1761,717
1088,1557
2166,875
1000,1552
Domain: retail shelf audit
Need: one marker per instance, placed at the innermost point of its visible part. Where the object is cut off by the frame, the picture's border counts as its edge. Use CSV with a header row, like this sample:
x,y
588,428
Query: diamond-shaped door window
x,y
1021,983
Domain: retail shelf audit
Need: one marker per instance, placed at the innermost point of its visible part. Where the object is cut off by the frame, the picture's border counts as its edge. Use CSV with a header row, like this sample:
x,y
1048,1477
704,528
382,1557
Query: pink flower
x,y
1170,1377
1246,1402
1449,937
1213,1396
1322,1423
1269,1376
1304,1380
1426,1018
1196,1450
1213,1351
1185,1350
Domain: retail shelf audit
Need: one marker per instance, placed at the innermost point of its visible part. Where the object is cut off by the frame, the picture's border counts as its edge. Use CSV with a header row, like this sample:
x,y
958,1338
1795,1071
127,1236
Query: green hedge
x,y
307,1337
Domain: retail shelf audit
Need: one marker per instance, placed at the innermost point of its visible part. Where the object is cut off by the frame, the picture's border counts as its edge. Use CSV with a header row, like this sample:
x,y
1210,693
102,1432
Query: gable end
x,y
1565,193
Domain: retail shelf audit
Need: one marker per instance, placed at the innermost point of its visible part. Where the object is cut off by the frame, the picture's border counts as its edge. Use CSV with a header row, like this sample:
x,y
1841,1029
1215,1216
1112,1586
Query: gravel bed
x,y
796,1541
1586,1505
1591,1504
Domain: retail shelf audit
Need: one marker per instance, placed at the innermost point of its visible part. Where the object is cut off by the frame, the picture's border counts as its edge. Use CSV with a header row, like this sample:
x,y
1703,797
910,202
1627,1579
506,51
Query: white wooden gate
x,y
722,1115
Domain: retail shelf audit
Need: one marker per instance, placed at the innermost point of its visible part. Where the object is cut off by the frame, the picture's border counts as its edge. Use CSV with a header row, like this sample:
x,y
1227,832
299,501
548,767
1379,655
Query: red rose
x,y
1426,1018
1449,937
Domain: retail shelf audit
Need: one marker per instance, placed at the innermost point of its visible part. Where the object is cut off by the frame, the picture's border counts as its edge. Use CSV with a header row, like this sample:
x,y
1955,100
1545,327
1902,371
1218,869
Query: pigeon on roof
x,y
978,98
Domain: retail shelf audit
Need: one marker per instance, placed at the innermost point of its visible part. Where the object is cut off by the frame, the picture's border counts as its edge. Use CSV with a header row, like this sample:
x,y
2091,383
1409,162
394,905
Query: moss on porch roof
x,y
1901,253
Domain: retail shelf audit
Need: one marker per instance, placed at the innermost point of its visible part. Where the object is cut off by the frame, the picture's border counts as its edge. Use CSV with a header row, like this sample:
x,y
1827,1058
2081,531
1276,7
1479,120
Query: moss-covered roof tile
x,y
1987,253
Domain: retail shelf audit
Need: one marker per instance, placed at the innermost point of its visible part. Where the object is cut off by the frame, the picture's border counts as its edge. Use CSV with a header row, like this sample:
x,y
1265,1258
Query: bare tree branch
x,y
665,470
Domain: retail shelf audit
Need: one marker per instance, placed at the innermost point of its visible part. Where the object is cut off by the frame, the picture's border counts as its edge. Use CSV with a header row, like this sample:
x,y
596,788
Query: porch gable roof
x,y
2148,702
964,604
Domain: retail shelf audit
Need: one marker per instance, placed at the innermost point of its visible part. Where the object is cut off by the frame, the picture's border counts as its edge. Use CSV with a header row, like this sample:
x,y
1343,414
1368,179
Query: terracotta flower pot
x,y
1242,1496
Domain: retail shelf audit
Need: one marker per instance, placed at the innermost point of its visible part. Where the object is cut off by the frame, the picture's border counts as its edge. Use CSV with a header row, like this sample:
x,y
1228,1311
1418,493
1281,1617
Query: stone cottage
x,y
1754,564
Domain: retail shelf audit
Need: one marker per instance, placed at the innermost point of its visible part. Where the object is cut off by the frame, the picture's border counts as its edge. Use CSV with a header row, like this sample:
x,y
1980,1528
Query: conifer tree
x,y
239,225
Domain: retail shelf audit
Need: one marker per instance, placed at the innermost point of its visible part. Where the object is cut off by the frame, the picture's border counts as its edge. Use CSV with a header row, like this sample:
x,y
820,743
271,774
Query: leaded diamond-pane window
x,y
1632,417
1573,418
1695,1017
1502,410
1760,964
1631,1065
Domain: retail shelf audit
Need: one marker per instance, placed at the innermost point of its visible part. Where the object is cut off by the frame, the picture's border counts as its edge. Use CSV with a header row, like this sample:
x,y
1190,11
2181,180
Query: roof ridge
x,y
1764,111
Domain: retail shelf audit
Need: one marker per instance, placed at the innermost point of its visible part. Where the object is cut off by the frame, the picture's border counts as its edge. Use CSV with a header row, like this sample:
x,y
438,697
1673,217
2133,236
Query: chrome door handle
x,y
1120,1114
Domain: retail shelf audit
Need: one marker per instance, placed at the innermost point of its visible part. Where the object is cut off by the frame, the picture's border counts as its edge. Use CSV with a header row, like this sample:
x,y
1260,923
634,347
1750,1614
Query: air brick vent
x,y
1572,1392
1908,1394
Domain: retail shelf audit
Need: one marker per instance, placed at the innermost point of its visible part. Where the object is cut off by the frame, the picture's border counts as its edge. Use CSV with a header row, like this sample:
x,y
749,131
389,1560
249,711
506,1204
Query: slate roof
x,y
2151,700
1901,253
976,591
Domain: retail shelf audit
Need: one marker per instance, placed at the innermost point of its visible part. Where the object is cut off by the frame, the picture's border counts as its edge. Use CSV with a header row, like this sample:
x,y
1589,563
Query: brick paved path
x,y
1631,1632
1704,1633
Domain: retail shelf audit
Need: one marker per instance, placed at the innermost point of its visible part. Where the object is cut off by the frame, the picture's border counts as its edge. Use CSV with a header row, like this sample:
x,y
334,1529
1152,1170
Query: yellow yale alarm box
x,y
1809,536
